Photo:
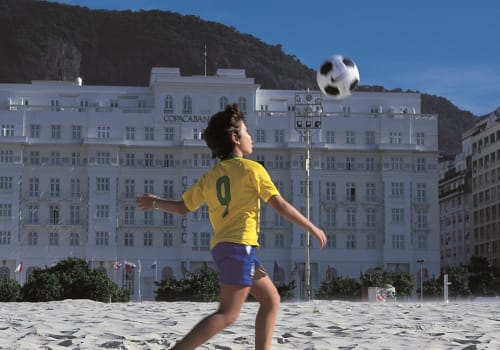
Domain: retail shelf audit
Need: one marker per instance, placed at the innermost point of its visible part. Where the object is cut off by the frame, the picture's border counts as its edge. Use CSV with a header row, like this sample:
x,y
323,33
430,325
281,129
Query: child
x,y
232,190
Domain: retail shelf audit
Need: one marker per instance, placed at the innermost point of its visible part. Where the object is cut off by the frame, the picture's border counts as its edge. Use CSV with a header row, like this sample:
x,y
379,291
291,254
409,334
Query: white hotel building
x,y
73,157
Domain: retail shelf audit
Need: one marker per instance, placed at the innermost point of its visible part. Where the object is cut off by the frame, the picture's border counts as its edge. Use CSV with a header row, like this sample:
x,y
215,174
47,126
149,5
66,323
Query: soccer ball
x,y
337,77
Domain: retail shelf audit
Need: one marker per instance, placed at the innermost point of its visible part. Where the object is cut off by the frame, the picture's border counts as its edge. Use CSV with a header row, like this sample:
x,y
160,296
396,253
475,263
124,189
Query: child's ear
x,y
235,137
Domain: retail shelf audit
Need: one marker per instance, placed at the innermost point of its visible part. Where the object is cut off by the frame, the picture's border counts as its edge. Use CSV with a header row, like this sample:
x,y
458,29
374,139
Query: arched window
x,y
187,106
278,274
169,104
128,281
223,102
242,102
331,273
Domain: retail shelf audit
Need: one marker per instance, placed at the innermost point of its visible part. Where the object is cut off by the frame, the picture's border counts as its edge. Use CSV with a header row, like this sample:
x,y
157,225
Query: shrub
x,y
402,281
10,290
71,279
286,291
202,285
343,288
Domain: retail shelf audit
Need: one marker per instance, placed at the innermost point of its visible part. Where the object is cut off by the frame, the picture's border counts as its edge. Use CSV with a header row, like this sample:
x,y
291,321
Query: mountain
x,y
51,41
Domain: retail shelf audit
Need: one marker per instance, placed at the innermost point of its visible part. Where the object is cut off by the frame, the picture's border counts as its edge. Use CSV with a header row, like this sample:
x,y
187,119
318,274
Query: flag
x,y
117,265
139,264
19,267
130,265
154,264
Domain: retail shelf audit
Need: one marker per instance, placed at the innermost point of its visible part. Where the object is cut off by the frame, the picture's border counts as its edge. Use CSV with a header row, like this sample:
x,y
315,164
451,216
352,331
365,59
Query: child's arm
x,y
150,201
289,212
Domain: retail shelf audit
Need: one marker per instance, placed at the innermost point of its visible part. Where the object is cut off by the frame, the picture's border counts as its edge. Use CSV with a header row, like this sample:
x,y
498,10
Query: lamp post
x,y
421,262
308,110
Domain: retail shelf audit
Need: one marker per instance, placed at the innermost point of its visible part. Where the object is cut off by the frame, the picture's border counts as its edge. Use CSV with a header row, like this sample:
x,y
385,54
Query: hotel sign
x,y
185,118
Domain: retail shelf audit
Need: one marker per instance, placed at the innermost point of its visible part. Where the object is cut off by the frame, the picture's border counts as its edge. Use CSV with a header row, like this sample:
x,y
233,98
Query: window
x,y
55,187
103,158
279,136
168,160
395,137
260,135
421,192
6,156
148,239
34,157
279,161
102,211
370,137
128,239
168,189
420,166
76,132
148,218
149,133
169,104
7,130
35,131
331,217
242,103
149,160
370,218
187,104
102,184
371,241
74,212
53,238
32,238
54,214
279,240
76,158
55,158
129,188
397,189
33,187
5,237
398,241
370,164
349,137
149,185
169,134
422,242
130,133
370,192
330,194
201,241
397,215
351,217
129,216
168,239
223,102
102,238
330,163
349,163
420,138
331,240
330,136
421,219
74,239
350,242
396,163
55,131
350,189
33,214
168,218
103,132
129,159
5,183
75,188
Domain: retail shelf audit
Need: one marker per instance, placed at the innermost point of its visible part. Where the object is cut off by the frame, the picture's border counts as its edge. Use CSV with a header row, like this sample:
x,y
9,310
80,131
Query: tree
x,y
343,288
10,290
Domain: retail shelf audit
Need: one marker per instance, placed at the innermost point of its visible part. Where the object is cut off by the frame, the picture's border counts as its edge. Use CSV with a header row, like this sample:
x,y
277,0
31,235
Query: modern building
x,y
73,157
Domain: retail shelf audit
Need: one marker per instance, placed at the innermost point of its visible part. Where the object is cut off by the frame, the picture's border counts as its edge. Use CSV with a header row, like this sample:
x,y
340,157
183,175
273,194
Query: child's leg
x,y
267,295
232,299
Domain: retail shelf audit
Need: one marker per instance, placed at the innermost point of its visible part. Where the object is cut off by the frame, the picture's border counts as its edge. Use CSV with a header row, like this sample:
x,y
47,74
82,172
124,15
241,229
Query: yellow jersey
x,y
232,190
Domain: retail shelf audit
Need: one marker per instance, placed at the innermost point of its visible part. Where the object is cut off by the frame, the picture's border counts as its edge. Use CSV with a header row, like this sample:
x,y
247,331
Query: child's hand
x,y
146,202
319,234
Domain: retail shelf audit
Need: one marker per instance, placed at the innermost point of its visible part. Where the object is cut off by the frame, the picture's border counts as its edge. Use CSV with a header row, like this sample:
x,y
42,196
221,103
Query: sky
x,y
447,48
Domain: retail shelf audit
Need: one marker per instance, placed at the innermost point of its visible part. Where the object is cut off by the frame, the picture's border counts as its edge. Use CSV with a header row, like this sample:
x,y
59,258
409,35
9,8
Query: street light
x,y
308,110
421,262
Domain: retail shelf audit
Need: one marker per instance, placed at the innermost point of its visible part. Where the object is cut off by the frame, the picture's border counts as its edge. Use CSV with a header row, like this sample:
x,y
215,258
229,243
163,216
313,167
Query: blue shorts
x,y
236,263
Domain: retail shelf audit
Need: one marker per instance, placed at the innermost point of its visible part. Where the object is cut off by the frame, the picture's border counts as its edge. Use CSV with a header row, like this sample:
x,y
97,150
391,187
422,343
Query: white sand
x,y
84,324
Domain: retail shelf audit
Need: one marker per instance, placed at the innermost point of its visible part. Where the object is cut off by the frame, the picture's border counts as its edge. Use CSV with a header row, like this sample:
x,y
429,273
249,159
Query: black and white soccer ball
x,y
337,77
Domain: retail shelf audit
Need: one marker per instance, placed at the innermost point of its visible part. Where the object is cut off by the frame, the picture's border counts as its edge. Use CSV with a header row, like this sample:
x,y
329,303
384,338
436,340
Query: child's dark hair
x,y
221,127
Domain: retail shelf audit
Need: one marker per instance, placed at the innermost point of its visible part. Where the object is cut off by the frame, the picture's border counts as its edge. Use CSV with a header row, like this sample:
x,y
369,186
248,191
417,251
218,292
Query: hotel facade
x,y
73,157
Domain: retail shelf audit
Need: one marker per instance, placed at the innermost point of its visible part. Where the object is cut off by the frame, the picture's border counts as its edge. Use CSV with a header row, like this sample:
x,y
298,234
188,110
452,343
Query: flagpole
x,y
139,291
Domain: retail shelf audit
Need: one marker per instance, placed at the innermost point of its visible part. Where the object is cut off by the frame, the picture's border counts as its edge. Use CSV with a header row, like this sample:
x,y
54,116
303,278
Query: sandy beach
x,y
84,324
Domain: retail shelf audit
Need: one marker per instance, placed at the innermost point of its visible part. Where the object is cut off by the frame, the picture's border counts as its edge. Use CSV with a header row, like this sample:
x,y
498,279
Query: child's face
x,y
243,143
